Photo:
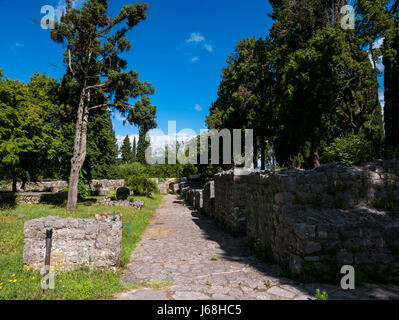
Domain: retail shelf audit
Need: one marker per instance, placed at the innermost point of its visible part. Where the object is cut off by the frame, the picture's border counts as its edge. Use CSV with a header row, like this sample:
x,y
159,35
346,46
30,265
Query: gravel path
x,y
185,248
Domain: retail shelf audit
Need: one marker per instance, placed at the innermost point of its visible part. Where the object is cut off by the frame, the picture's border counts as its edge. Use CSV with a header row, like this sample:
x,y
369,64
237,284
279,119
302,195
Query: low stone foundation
x,y
33,197
95,243
138,204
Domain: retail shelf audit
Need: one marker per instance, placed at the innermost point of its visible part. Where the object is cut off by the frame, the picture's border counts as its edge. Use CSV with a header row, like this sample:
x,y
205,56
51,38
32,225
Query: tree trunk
x,y
14,182
79,151
316,161
262,153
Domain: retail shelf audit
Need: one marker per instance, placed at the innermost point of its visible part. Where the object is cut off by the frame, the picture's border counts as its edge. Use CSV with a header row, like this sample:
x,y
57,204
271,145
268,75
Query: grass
x,y
19,282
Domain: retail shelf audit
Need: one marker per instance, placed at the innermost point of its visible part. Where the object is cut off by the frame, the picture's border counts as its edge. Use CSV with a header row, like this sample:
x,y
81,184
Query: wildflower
x,y
1,288
59,280
33,278
9,280
15,280
13,275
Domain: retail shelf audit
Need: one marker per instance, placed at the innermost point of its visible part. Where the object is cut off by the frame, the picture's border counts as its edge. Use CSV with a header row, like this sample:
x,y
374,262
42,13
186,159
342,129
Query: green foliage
x,y
138,176
141,185
349,150
152,171
246,92
321,295
126,150
25,127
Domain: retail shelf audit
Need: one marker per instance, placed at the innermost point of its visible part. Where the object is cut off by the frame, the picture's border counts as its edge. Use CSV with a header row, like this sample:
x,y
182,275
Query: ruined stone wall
x,y
198,200
208,196
59,185
40,186
230,201
104,186
318,219
33,197
95,243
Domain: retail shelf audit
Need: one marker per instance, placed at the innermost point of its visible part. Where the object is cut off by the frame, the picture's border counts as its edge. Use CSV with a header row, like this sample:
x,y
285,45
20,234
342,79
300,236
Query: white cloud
x,y
208,47
158,139
198,107
195,42
119,117
59,10
195,37
378,43
15,45
381,99
378,64
380,95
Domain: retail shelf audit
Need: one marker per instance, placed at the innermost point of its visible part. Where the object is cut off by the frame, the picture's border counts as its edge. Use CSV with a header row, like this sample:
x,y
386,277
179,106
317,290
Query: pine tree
x,y
94,42
126,150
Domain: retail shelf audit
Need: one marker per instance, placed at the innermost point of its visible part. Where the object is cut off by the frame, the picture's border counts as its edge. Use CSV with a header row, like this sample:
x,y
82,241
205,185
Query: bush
x,y
140,185
349,150
122,171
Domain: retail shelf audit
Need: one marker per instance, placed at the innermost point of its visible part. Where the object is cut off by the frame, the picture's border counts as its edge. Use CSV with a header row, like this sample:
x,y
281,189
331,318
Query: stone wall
x,y
209,198
59,185
33,197
230,201
103,187
318,219
198,201
40,186
164,185
95,243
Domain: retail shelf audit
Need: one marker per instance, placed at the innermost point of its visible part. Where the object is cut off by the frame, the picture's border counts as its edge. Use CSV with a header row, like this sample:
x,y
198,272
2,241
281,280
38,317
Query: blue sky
x,y
181,49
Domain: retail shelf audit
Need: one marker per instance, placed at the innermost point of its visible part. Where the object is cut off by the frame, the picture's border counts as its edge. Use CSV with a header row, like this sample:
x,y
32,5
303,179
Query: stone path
x,y
185,248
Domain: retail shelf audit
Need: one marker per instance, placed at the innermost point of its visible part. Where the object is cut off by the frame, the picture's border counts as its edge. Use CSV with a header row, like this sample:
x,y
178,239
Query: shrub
x,y
140,185
121,171
349,150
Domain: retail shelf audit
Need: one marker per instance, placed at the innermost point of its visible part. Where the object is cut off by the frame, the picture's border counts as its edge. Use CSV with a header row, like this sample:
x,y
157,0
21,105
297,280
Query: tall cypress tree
x,y
143,116
326,86
391,82
126,150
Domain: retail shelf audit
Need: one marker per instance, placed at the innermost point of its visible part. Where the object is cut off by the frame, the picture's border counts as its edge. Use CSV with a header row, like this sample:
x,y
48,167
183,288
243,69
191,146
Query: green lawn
x,y
18,282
